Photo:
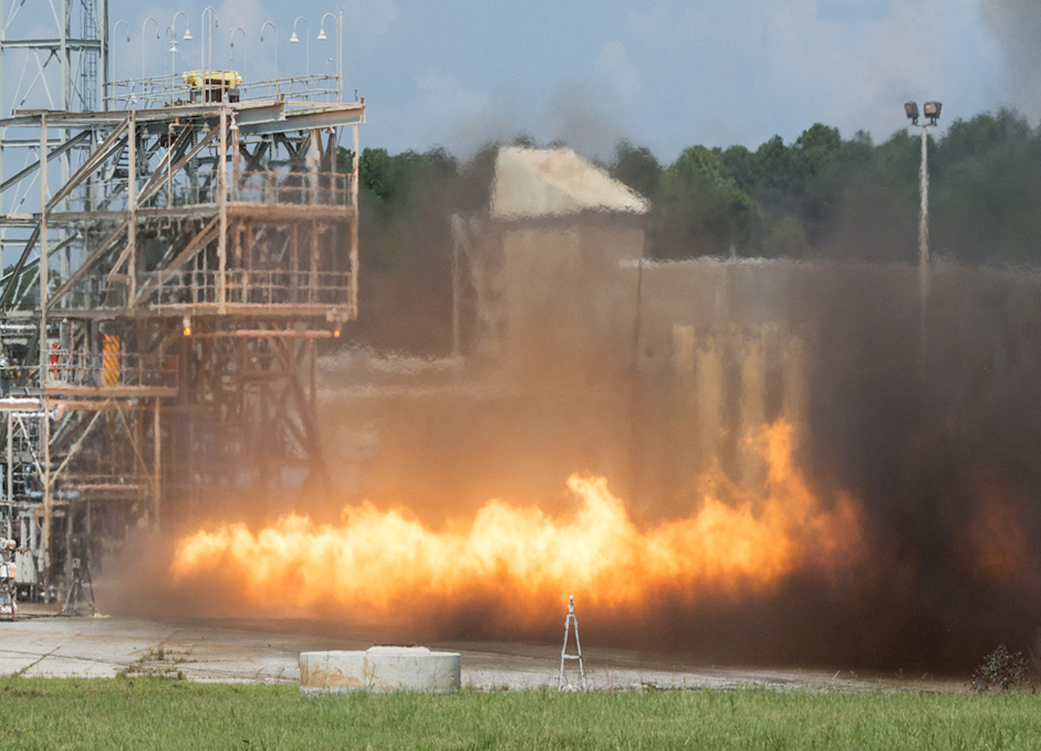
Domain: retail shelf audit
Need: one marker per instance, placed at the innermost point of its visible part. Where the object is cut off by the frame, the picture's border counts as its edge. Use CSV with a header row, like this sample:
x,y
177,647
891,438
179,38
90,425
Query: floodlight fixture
x,y
932,111
911,108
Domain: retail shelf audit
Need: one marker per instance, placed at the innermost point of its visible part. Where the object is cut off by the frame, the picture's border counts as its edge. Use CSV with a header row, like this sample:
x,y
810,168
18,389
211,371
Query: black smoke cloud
x,y
935,436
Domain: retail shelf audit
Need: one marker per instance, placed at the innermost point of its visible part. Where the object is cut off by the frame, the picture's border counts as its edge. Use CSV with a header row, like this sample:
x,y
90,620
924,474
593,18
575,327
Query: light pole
x,y
931,111
115,29
275,32
307,42
173,39
339,47
143,27
245,60
202,53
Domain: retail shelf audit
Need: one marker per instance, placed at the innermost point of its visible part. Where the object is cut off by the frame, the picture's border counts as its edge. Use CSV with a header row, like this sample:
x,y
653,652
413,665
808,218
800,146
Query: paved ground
x,y
40,643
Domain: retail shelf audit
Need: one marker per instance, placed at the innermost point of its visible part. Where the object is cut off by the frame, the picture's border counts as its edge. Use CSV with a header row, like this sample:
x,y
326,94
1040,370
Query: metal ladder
x,y
568,621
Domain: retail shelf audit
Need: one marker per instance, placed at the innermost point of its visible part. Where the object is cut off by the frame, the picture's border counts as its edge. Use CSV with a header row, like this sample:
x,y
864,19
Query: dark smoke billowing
x,y
940,448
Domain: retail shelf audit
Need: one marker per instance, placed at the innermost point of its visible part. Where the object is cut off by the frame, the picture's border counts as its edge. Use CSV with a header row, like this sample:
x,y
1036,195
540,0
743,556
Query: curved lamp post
x,y
307,42
172,30
115,29
143,27
245,60
275,32
339,47
202,53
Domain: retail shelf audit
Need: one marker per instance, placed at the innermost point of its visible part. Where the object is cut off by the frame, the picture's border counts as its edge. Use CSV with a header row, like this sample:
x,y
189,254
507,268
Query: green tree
x,y
637,167
699,209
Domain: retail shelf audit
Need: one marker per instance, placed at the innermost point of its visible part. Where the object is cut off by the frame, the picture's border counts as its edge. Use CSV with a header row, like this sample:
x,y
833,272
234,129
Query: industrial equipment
x,y
174,247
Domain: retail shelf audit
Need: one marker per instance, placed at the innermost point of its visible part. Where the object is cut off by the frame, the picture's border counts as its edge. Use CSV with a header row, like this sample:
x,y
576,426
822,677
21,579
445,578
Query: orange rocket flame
x,y
379,560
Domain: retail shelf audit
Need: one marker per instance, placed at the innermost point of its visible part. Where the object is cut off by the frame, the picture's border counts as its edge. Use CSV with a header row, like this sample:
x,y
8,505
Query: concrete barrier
x,y
380,670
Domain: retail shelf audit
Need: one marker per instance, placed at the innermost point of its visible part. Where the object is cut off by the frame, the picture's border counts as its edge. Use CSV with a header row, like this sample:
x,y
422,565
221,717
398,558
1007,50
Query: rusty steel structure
x,y
173,250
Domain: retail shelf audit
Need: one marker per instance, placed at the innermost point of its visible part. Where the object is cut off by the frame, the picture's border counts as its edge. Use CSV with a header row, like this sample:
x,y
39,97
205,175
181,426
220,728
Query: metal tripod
x,y
568,621
82,590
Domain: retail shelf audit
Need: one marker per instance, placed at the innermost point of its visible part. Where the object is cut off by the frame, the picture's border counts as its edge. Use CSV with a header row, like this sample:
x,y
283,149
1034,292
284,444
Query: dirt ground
x,y
43,644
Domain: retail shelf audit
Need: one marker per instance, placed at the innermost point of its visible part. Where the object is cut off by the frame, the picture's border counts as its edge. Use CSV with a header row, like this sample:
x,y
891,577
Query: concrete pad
x,y
380,670
268,651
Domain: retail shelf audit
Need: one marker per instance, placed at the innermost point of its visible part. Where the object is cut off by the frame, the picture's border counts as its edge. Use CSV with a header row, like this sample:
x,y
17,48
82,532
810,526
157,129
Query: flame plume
x,y
381,560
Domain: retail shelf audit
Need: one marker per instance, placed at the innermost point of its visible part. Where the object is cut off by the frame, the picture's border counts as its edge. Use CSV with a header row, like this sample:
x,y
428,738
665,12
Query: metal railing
x,y
255,187
110,369
302,188
253,287
173,90
312,88
187,287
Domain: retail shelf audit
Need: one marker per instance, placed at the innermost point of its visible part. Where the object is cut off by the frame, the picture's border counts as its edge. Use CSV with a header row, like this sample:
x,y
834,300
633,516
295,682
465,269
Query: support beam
x,y
53,154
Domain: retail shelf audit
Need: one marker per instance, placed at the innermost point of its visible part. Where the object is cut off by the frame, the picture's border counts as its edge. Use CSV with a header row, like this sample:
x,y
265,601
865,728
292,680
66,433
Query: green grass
x,y
153,713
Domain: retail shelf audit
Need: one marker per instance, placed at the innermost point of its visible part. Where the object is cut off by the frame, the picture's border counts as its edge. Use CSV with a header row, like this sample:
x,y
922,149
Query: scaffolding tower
x,y
171,260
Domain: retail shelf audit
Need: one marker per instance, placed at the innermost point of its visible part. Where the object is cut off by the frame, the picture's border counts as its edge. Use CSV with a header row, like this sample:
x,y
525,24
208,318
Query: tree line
x,y
820,196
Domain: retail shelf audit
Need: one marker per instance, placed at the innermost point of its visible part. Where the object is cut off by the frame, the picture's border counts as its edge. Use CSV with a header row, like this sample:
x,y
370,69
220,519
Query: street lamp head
x,y
321,35
294,39
911,109
932,111
173,46
187,35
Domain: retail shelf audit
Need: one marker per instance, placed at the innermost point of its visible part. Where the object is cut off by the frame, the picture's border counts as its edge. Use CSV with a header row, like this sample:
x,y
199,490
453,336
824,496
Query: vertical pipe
x,y
314,164
312,294
45,422
3,110
312,355
222,188
236,159
157,465
103,79
132,205
64,57
10,473
354,228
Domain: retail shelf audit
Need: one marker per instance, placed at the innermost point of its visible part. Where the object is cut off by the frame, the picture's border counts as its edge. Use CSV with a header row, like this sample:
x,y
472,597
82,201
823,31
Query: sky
x,y
666,74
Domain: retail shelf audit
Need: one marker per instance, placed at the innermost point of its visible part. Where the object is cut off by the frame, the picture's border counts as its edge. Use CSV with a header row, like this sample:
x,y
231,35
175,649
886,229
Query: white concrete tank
x,y
380,670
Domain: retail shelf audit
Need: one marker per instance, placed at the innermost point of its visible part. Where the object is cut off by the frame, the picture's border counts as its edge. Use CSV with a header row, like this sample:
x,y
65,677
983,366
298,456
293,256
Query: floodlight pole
x,y
931,113
923,227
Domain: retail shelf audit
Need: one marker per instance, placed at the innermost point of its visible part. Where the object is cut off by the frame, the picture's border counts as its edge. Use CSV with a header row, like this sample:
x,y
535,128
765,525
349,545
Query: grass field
x,y
153,713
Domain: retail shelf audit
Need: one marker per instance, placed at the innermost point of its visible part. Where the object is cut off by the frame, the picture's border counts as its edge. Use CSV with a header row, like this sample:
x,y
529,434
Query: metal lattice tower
x,y
59,69
174,248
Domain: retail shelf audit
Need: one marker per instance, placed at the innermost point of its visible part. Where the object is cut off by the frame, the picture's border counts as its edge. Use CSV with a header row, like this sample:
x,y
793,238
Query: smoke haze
x,y
579,358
